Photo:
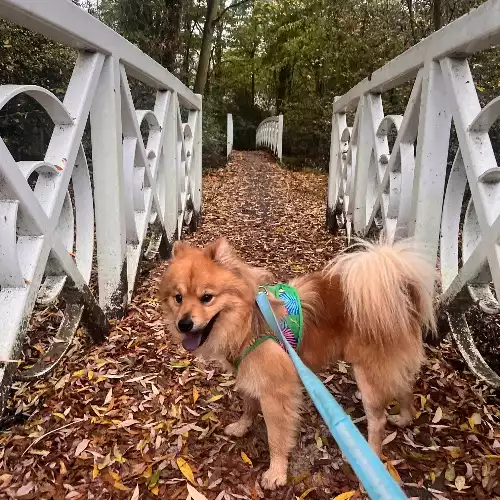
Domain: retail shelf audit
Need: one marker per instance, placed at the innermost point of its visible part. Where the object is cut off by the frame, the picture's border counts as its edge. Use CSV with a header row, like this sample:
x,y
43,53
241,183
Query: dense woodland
x,y
250,57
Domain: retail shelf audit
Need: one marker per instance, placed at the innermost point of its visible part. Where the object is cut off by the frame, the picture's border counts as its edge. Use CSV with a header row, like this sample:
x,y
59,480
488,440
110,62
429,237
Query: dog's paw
x,y
237,429
399,421
272,479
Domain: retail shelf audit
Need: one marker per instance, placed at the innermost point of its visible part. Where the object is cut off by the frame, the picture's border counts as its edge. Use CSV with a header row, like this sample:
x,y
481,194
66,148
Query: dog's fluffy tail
x,y
388,290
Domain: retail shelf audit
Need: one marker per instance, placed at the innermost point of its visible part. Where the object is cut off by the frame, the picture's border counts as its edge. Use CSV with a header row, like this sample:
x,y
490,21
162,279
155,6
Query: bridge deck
x,y
133,395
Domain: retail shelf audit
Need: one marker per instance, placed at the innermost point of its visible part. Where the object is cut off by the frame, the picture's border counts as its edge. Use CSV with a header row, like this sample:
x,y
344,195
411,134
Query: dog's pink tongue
x,y
191,341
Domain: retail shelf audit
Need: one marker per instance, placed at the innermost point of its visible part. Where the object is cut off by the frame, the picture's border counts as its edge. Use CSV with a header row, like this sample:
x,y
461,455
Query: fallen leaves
x,y
437,416
194,494
82,446
460,483
150,418
185,468
245,459
346,495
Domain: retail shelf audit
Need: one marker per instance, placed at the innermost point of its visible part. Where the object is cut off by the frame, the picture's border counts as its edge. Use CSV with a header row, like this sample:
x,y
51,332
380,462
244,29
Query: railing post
x,y
229,135
107,161
197,157
339,123
431,157
171,174
279,151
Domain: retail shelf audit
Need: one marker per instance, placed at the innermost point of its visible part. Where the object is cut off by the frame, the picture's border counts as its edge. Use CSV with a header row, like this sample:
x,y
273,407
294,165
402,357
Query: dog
x,y
367,307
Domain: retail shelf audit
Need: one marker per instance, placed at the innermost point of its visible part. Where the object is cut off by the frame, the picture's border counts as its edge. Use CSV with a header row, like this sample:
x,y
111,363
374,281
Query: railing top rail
x,y
269,119
65,22
475,31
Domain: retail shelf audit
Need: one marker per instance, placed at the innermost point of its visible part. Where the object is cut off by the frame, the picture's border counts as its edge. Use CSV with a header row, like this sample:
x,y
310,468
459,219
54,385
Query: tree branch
x,y
232,6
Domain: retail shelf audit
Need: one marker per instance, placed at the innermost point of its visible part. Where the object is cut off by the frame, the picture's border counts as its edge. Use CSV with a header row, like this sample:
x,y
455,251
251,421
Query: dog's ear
x,y
178,248
220,251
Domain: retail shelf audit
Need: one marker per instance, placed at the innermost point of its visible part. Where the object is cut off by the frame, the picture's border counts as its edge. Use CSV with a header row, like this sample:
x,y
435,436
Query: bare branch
x,y
232,6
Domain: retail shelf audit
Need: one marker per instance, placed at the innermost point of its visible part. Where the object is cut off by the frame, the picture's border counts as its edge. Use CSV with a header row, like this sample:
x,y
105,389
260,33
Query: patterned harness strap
x,y
292,324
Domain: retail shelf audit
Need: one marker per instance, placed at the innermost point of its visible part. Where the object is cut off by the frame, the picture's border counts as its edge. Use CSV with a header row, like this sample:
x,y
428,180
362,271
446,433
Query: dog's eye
x,y
178,298
206,298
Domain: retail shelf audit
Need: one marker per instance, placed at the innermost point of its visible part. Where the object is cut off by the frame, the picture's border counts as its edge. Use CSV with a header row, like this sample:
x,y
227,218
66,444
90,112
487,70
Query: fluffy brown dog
x,y
366,308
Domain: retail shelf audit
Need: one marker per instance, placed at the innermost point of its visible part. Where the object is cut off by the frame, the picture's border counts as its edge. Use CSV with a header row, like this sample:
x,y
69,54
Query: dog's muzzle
x,y
196,338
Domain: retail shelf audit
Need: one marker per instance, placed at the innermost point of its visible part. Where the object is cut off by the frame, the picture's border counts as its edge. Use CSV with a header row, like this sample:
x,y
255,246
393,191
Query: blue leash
x,y
375,478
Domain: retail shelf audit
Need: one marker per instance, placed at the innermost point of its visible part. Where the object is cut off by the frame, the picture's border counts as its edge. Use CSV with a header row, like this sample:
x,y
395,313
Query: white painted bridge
x,y
145,192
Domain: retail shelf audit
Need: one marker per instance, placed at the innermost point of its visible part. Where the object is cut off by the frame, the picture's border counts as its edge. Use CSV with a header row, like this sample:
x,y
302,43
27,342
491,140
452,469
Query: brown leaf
x,y
82,446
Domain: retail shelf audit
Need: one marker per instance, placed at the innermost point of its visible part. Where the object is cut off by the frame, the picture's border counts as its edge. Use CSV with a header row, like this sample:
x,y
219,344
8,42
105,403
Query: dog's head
x,y
208,295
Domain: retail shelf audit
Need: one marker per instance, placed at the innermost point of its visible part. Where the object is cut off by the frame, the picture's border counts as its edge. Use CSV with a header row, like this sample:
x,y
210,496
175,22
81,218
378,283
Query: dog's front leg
x,y
240,428
282,418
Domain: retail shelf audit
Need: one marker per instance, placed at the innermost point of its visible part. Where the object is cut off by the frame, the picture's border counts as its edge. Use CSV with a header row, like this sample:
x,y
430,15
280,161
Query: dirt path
x,y
124,415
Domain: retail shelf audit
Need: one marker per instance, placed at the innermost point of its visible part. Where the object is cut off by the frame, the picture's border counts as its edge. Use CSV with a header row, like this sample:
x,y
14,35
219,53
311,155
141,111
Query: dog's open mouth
x,y
195,339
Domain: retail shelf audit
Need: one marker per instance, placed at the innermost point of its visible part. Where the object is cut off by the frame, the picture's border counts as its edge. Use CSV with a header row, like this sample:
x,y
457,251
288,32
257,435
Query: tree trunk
x,y
172,26
206,46
409,3
187,51
252,57
217,53
283,85
437,17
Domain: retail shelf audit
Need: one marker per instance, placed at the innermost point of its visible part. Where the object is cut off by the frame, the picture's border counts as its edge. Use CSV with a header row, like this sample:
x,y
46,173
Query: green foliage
x,y
30,59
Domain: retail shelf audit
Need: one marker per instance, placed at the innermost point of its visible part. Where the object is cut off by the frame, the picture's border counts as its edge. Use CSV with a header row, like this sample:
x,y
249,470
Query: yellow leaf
x,y
120,486
215,398
393,472
154,490
454,451
319,442
465,426
185,469
474,419
90,374
492,456
105,462
59,415
78,373
346,495
180,364
148,472
115,476
196,394
39,348
62,468
95,472
245,459
423,400
450,473
437,416
306,493
209,416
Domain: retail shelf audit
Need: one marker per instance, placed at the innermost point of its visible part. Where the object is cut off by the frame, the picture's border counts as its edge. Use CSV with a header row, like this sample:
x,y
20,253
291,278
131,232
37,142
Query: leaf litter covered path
x,y
138,418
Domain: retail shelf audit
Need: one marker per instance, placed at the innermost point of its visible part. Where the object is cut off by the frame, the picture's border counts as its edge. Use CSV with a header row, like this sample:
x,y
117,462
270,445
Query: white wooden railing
x,y
143,193
229,136
270,135
401,190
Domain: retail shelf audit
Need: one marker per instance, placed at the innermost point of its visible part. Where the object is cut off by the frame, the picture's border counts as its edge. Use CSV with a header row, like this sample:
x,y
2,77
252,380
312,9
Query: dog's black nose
x,y
185,325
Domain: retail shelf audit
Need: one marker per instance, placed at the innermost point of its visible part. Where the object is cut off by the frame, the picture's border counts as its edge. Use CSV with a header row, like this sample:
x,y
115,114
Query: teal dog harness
x,y
292,325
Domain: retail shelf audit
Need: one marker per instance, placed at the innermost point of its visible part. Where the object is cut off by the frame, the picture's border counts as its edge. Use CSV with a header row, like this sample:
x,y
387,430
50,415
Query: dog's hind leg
x,y
281,413
240,428
374,402
406,412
